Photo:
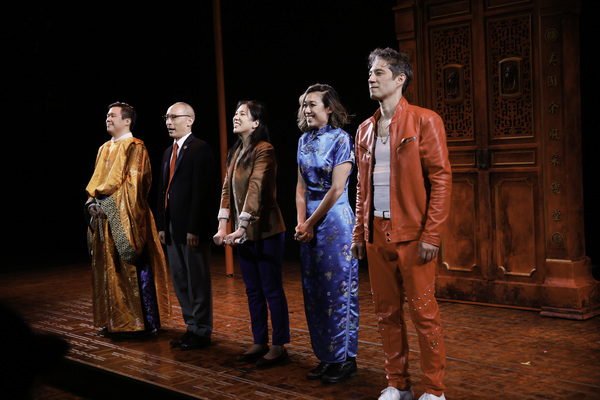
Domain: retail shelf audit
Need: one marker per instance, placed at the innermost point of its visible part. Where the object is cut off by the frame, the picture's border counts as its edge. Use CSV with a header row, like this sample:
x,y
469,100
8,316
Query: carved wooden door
x,y
504,76
480,65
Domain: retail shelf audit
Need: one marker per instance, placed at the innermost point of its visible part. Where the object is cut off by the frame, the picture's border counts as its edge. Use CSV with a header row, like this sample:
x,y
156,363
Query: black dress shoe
x,y
267,362
342,371
177,342
318,372
251,357
194,341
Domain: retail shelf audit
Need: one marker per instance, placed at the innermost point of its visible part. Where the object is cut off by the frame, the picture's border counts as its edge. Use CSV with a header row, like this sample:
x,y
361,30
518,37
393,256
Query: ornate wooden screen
x,y
504,78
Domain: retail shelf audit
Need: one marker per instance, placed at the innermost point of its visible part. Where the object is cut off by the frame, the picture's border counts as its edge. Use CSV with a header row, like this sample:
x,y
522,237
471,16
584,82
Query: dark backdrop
x,y
63,66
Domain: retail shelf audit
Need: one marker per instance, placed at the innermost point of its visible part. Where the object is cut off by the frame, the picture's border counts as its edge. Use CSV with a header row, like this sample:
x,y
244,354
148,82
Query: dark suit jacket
x,y
193,194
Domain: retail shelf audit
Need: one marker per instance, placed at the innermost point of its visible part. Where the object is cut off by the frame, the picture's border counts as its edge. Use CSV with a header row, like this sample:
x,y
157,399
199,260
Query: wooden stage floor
x,y
493,353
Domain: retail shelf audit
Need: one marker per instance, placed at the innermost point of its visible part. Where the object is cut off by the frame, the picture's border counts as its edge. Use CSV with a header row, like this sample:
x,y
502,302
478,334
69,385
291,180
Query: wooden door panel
x,y
516,225
516,157
503,75
459,252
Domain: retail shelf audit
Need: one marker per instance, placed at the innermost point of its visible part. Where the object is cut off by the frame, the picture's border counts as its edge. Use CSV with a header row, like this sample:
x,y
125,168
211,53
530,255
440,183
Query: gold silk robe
x,y
120,184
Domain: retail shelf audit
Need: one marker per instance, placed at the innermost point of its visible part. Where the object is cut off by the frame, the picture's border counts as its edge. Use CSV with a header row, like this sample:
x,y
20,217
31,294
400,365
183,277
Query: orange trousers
x,y
395,270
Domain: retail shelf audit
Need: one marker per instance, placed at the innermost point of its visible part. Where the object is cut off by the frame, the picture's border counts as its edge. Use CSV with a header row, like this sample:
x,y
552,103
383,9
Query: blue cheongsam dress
x,y
329,272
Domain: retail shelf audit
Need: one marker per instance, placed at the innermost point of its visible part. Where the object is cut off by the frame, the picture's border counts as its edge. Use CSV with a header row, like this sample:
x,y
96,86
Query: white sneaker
x,y
429,396
391,393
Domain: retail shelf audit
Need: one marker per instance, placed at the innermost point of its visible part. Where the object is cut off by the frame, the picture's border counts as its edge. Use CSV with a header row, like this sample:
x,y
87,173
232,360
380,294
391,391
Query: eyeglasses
x,y
173,116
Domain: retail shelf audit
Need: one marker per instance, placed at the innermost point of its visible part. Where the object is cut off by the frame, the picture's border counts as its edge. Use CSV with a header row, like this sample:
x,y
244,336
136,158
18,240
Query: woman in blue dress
x,y
325,221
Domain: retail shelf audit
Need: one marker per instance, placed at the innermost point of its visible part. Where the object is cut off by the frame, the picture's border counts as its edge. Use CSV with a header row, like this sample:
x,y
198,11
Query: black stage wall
x,y
64,65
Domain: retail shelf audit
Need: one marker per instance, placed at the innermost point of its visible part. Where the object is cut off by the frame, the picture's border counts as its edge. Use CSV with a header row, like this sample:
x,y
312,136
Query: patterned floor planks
x,y
492,352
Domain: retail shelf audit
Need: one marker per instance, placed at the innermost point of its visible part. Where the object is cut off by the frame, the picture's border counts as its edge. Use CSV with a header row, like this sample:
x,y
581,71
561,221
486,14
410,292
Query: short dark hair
x,y
339,116
397,62
127,111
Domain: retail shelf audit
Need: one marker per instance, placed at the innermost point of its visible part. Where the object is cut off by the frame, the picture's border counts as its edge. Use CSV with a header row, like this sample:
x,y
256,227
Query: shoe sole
x,y
265,362
252,357
187,348
335,380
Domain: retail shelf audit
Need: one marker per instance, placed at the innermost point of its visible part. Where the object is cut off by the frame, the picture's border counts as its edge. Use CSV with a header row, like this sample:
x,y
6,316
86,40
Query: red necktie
x,y
172,169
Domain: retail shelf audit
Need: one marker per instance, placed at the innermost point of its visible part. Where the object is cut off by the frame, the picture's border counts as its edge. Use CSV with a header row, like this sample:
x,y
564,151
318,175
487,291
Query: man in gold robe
x,y
129,273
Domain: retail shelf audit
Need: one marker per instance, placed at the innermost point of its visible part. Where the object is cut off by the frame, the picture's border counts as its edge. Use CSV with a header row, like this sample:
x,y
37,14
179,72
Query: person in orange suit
x,y
402,202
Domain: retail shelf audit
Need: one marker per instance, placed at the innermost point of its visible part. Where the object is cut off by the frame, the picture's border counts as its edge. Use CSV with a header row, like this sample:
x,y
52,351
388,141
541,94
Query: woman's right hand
x,y
219,238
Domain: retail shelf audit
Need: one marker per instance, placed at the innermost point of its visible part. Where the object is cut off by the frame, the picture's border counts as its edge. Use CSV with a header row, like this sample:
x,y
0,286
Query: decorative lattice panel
x,y
510,79
452,70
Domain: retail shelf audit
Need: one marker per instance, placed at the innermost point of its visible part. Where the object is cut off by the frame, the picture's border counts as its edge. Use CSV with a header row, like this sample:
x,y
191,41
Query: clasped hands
x,y
304,232
96,211
221,238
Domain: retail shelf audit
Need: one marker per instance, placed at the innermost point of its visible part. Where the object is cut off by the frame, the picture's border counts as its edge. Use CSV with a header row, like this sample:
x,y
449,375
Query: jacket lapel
x,y
240,176
165,167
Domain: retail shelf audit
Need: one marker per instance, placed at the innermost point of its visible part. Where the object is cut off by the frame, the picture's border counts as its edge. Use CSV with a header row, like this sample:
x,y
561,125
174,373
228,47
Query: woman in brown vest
x,y
249,198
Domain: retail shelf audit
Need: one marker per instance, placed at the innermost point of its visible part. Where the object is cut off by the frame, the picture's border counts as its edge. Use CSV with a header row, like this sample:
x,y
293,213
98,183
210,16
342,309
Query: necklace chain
x,y
381,130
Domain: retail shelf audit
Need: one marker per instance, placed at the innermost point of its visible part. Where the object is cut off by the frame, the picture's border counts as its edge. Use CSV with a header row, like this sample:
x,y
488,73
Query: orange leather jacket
x,y
420,176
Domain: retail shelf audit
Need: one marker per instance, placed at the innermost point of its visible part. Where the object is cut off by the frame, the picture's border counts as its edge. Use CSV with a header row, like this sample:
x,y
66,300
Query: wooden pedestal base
x,y
568,291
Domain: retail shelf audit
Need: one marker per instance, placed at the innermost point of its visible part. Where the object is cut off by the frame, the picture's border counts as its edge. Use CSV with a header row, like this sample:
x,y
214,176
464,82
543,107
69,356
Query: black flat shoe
x,y
321,370
267,362
195,342
342,372
251,357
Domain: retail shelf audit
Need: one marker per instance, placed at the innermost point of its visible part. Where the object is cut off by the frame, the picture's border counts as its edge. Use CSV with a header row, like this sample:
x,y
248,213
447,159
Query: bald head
x,y
180,105
179,120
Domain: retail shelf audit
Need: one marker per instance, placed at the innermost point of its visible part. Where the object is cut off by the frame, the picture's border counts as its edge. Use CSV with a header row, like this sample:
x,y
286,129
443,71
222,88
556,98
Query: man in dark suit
x,y
185,222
